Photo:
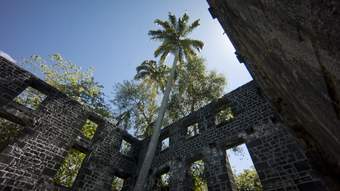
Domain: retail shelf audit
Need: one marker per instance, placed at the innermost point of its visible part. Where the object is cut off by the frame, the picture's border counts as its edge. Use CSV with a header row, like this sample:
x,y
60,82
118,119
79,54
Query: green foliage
x,y
153,75
125,148
8,132
162,182
68,171
225,114
248,180
194,88
165,179
192,130
71,80
89,129
117,184
173,36
139,105
197,172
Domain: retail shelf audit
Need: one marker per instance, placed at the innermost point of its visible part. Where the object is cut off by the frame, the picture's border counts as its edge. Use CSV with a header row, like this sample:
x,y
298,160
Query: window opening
x,y
30,98
224,115
193,130
125,148
69,168
117,184
165,144
89,129
162,182
245,175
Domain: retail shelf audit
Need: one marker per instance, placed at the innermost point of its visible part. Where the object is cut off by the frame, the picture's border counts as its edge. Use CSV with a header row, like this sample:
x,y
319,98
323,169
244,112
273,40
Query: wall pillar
x,y
216,170
179,178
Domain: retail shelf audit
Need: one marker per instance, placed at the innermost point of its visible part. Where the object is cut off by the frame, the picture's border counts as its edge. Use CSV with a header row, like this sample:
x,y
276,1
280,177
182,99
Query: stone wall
x,y
291,48
32,160
278,158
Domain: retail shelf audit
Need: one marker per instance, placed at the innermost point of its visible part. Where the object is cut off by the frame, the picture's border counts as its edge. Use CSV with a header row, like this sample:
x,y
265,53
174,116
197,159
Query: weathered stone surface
x,y
292,50
278,158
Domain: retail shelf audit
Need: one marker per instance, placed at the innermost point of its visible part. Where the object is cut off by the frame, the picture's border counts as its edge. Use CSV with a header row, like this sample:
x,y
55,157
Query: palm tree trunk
x,y
150,153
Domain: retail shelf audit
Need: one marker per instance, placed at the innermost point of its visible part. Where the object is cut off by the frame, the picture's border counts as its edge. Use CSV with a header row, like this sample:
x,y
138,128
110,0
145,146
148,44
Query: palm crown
x,y
173,35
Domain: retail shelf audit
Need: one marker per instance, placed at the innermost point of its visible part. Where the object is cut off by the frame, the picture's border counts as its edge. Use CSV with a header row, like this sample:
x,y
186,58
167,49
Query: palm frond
x,y
158,34
180,56
146,68
193,25
163,57
164,24
166,46
173,20
141,68
197,44
141,75
189,53
182,24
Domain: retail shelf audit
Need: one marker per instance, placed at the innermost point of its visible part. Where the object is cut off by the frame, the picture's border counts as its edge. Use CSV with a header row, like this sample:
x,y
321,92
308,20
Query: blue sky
x,y
239,161
109,35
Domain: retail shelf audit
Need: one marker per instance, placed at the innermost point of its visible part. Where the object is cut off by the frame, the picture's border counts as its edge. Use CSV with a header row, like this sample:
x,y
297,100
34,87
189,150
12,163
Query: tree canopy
x,y
248,180
141,98
70,79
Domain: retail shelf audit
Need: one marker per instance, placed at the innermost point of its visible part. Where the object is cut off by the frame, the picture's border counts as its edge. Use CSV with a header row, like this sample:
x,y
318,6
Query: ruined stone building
x,y
289,116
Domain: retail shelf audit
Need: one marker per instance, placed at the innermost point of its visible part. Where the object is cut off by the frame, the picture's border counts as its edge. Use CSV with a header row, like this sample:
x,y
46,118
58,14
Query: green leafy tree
x,y
139,106
248,180
162,182
198,176
68,171
174,40
139,98
195,88
71,80
8,132
89,129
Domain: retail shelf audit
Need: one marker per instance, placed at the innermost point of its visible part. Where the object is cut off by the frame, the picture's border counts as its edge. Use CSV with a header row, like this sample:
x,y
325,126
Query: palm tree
x,y
173,36
153,74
